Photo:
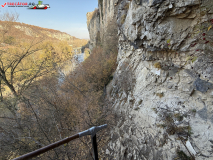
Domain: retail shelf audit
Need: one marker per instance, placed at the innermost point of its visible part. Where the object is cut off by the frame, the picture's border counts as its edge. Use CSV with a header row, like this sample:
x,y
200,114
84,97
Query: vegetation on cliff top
x,y
91,15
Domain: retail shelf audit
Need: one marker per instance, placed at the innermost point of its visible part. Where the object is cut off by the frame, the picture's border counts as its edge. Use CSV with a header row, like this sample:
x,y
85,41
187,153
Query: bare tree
x,y
11,62
18,72
40,111
8,19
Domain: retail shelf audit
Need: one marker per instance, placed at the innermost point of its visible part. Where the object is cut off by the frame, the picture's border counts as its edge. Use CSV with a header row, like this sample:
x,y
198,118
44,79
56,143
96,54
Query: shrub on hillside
x,y
110,38
99,67
9,40
91,15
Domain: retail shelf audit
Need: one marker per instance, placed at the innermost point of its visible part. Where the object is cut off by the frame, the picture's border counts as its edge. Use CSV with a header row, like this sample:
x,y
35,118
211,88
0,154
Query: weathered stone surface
x,y
94,28
202,85
97,26
203,113
158,31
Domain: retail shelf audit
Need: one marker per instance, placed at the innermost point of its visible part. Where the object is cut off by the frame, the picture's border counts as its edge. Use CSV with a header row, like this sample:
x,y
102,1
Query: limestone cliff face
x,y
93,25
99,19
162,89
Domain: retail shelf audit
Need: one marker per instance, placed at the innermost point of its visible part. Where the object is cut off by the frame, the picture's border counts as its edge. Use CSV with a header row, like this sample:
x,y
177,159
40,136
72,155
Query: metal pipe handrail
x,y
92,131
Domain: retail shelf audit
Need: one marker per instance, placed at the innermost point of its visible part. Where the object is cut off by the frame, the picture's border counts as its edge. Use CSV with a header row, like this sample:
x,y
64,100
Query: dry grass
x,y
178,116
160,94
168,118
97,69
157,65
123,18
90,15
126,7
182,155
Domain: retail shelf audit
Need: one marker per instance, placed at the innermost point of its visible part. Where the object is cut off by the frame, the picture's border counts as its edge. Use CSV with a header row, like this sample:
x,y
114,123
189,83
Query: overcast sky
x,y
65,15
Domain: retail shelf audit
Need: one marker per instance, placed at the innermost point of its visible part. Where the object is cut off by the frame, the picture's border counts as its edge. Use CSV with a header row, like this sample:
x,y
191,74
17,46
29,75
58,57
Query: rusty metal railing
x,y
92,131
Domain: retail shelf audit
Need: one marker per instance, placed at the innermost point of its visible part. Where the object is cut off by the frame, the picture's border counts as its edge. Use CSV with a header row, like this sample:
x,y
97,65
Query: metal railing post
x,y
95,147
92,131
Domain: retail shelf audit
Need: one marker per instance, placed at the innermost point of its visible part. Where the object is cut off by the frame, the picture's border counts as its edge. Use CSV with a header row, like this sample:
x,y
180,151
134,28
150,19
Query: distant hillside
x,y
25,31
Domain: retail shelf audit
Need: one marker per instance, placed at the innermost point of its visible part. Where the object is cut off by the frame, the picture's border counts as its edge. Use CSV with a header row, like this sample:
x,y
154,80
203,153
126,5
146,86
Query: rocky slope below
x,y
23,30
